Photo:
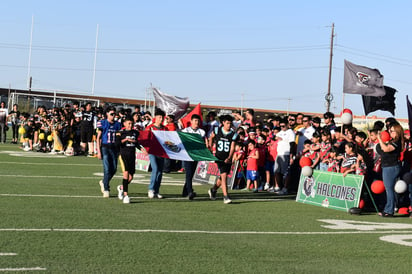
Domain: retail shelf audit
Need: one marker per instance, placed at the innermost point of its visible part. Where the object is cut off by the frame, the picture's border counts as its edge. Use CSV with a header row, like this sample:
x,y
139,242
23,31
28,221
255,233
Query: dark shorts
x,y
128,162
223,167
86,135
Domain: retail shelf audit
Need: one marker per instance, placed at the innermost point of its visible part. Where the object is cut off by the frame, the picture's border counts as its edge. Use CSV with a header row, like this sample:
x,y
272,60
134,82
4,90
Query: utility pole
x,y
329,96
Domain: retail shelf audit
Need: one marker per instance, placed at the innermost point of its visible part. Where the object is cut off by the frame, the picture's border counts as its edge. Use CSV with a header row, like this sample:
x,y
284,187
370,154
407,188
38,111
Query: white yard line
x,y
201,231
49,164
7,254
131,197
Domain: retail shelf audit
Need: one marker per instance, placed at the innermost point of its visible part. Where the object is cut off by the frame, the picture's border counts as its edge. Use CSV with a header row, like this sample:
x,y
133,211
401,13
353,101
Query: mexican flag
x,y
175,145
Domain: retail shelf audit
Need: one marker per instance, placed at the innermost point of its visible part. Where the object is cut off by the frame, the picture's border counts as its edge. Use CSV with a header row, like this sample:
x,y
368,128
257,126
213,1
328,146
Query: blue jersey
x,y
108,131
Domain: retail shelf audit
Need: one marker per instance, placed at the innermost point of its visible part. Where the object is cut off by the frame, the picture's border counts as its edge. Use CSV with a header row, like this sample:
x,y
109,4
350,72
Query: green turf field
x,y
53,219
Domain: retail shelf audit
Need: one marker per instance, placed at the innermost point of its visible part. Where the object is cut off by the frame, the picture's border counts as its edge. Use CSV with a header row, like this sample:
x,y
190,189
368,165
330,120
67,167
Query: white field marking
x,y
8,254
37,155
49,164
53,177
131,197
198,231
48,196
398,239
24,269
361,225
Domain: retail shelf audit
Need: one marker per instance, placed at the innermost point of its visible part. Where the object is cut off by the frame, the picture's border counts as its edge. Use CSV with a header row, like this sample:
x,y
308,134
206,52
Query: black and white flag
x,y
362,80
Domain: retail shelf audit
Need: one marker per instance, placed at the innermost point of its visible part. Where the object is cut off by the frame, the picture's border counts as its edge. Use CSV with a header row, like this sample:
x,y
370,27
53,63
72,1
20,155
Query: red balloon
x,y
385,137
305,161
378,187
361,203
403,211
346,110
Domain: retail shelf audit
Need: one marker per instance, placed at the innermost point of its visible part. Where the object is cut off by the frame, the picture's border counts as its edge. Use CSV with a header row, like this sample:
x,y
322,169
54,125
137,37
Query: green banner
x,y
330,189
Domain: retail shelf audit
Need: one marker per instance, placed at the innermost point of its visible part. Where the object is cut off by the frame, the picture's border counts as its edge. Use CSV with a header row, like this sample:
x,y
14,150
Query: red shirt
x,y
252,163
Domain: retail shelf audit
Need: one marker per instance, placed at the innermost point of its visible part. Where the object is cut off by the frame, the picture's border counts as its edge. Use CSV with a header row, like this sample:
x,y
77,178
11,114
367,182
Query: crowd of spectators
x,y
271,148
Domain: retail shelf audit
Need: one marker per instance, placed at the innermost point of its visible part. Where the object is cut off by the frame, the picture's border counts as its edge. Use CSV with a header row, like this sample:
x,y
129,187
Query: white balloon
x,y
400,186
346,118
307,171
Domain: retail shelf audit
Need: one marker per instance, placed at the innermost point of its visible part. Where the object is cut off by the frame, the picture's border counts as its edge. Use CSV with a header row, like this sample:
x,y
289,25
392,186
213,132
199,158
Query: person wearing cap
x,y
286,138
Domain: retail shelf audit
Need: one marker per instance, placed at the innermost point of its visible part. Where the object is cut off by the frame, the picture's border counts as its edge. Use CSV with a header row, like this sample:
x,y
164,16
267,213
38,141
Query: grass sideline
x,y
54,219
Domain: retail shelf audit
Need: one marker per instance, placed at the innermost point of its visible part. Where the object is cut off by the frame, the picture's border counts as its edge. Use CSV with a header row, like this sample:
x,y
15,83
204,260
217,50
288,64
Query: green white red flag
x,y
175,145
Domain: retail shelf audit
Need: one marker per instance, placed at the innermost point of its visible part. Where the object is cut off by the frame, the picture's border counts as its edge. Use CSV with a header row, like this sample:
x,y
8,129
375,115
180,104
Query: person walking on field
x,y
127,139
190,167
224,138
107,149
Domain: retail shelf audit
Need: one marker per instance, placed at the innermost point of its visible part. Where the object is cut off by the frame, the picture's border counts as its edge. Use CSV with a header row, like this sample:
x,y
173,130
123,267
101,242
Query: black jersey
x,y
128,147
223,142
88,119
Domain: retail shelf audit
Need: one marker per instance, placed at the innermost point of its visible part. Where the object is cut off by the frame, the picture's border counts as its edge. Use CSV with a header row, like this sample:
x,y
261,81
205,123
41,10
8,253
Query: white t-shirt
x,y
4,112
199,131
287,136
307,134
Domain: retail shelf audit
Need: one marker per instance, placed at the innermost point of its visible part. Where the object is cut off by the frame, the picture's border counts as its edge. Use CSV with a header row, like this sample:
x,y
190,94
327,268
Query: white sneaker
x,y
158,196
226,200
26,149
120,192
126,200
276,189
106,194
266,186
101,186
151,194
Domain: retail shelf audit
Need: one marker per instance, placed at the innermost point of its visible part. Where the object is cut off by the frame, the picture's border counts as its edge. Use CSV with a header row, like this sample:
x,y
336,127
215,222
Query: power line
x,y
167,51
171,71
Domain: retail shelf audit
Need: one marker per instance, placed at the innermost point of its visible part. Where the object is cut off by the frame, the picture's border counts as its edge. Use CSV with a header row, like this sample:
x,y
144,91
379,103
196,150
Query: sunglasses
x,y
282,125
291,119
305,120
112,114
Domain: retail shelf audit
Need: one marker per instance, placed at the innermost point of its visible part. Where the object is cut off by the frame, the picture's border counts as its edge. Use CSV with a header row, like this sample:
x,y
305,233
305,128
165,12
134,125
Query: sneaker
x,y
255,190
158,196
101,186
26,149
226,200
120,192
271,189
90,155
181,170
106,194
191,195
276,189
284,191
151,194
212,194
126,200
266,187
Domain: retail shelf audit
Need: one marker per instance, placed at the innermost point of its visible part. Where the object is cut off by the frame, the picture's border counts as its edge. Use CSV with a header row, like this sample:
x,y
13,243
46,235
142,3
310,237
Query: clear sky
x,y
275,53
